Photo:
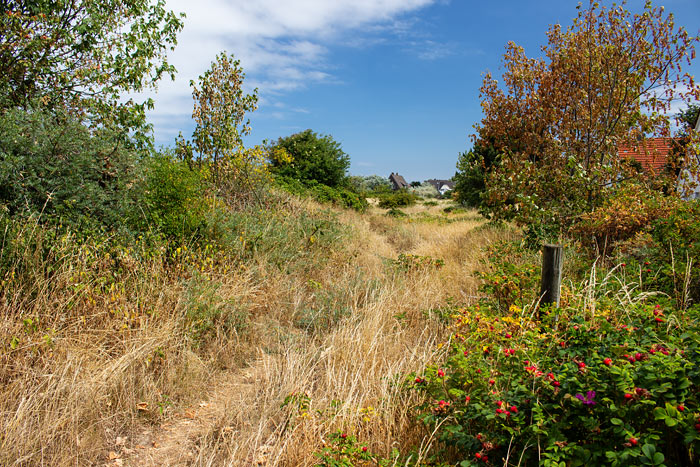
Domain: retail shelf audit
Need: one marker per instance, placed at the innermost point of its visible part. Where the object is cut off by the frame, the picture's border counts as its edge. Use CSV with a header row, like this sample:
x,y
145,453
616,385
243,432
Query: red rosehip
x,y
633,441
513,409
477,455
608,361
440,373
364,448
556,384
344,435
485,458
638,356
508,335
467,399
492,382
658,320
639,391
628,396
581,365
681,407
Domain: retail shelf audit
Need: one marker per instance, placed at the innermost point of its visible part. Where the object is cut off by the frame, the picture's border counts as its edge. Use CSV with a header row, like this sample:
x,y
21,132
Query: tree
x,y
470,178
219,111
314,157
610,77
85,54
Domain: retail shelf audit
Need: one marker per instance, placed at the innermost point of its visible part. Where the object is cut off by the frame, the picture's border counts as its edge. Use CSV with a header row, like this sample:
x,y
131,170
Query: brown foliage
x,y
610,77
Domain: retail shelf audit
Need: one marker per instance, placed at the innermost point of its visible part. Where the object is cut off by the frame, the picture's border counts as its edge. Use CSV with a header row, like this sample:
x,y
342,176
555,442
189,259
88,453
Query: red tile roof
x,y
652,153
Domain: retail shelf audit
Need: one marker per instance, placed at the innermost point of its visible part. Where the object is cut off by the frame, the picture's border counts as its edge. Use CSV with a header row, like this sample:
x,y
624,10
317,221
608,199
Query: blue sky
x,y
395,82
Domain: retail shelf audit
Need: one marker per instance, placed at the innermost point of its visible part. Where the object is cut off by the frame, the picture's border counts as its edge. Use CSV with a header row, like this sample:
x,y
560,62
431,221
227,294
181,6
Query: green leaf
x,y
649,450
658,458
616,421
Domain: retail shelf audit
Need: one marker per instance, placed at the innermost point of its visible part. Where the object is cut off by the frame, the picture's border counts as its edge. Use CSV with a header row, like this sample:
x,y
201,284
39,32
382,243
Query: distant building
x,y
397,181
442,186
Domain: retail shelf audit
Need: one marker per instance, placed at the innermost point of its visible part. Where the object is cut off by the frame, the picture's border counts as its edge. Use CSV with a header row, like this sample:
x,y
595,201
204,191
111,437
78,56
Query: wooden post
x,y
552,263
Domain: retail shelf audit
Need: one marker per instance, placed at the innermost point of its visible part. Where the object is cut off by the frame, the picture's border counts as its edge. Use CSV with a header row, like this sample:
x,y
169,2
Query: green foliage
x,y
470,178
672,264
85,54
397,199
369,184
174,201
614,384
219,112
338,196
345,451
315,158
510,276
50,163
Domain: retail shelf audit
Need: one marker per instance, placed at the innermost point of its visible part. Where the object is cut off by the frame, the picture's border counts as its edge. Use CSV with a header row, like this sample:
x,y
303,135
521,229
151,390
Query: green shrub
x,y
338,196
174,199
397,199
50,163
616,382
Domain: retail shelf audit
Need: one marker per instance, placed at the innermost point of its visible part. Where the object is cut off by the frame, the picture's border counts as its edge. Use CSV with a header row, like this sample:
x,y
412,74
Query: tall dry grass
x,y
98,345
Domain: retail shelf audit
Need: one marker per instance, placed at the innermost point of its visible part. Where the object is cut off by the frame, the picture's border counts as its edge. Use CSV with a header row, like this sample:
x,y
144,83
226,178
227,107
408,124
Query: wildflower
x,y
588,399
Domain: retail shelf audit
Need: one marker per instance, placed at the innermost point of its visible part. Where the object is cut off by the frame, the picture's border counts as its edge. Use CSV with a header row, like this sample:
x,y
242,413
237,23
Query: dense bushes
x,y
611,378
50,163
397,199
338,196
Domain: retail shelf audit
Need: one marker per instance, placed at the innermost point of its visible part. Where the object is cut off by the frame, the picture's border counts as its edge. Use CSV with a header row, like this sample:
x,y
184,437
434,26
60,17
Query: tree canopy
x,y
314,157
84,54
612,76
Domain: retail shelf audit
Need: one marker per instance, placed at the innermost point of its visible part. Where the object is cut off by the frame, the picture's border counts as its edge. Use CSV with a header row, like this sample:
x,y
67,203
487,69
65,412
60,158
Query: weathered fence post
x,y
552,263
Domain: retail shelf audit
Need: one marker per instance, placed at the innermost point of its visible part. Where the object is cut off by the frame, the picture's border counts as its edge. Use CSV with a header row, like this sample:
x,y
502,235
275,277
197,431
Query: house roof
x,y
652,153
398,180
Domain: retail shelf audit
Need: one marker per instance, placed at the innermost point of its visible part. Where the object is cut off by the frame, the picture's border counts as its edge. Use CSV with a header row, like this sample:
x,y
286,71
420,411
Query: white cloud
x,y
282,44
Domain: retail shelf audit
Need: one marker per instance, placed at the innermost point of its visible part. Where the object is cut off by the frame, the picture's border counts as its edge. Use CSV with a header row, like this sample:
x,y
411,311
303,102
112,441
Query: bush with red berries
x,y
616,384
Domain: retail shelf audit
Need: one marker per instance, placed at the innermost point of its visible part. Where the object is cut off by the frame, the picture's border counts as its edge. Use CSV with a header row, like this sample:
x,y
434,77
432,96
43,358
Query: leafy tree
x,y
84,54
470,178
557,121
313,158
219,111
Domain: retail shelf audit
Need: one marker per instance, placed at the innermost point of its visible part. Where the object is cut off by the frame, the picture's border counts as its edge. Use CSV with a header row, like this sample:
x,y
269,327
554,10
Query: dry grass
x,y
110,356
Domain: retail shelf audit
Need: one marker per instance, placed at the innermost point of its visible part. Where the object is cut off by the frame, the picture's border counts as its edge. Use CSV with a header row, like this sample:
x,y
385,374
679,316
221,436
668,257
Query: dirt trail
x,y
187,433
